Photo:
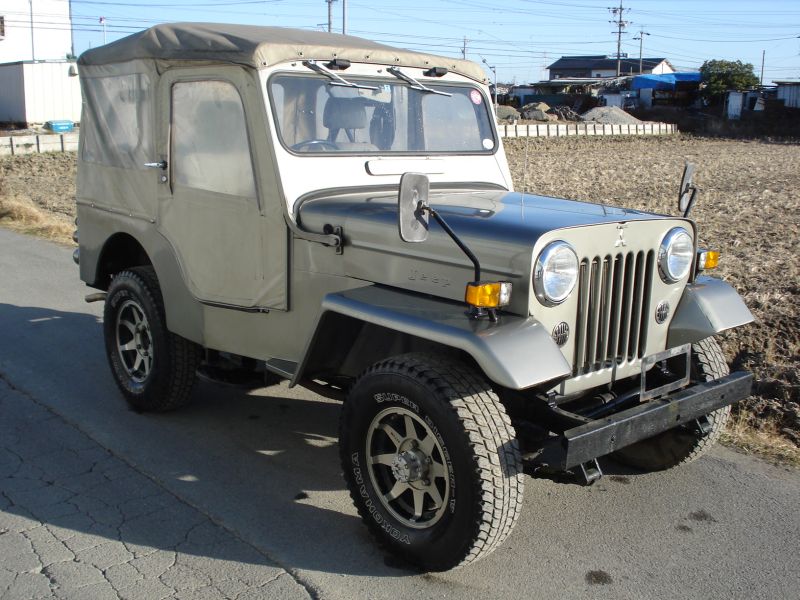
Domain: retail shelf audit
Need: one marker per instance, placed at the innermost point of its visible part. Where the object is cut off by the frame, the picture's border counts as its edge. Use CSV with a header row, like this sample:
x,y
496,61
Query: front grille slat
x,y
613,305
616,310
605,325
594,315
648,277
627,302
582,321
636,306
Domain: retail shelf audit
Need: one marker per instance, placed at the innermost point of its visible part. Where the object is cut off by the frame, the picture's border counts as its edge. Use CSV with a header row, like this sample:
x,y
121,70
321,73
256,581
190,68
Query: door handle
x,y
162,164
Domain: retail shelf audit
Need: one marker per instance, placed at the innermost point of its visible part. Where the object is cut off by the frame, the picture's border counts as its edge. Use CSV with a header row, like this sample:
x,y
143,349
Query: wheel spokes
x,y
396,491
146,360
383,459
413,480
411,433
129,326
390,431
428,444
129,346
419,503
433,492
437,469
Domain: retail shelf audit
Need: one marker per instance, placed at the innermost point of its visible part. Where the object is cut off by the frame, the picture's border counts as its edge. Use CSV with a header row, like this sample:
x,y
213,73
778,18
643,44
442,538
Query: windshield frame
x,y
385,153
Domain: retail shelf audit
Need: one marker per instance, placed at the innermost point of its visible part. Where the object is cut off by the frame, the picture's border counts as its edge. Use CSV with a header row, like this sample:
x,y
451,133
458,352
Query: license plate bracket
x,y
676,357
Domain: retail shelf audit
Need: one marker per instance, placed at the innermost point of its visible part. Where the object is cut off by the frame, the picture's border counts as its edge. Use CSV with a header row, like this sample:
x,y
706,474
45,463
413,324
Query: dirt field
x,y
749,208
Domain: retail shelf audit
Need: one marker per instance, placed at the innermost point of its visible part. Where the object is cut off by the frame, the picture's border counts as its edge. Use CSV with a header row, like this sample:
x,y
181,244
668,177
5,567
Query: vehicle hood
x,y
502,229
481,214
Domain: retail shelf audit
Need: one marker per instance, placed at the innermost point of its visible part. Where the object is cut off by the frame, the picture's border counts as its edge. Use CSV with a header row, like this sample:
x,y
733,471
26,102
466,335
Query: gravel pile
x,y
611,115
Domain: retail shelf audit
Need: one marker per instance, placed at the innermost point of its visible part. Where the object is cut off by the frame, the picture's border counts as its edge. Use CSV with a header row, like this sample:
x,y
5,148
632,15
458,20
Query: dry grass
x,y
762,439
20,214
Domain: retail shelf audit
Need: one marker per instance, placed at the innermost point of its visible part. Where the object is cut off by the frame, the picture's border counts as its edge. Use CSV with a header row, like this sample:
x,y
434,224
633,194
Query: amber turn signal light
x,y
483,294
707,259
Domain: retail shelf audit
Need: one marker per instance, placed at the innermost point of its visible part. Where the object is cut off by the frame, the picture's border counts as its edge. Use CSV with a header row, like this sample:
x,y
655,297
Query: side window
x,y
210,149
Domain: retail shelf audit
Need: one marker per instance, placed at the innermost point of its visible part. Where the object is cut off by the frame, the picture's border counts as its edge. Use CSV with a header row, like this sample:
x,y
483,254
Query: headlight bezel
x,y
545,256
665,251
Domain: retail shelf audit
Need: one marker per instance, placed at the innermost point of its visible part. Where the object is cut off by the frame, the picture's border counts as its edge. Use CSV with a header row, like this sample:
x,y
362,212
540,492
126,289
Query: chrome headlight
x,y
675,255
556,273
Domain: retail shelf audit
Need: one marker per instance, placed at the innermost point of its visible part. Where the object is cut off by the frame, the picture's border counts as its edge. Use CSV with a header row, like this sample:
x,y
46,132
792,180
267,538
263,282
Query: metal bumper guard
x,y
603,436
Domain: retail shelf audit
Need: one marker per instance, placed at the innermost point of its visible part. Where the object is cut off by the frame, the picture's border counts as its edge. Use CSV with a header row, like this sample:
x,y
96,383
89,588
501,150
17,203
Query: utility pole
x,y
642,33
464,49
330,15
103,23
344,17
33,50
761,80
621,25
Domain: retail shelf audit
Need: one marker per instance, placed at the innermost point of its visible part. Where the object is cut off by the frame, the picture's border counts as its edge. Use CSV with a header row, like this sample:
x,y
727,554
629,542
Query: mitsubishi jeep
x,y
259,204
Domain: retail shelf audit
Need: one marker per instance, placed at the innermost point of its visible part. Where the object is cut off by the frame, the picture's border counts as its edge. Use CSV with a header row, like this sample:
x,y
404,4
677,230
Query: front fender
x,y
516,352
707,307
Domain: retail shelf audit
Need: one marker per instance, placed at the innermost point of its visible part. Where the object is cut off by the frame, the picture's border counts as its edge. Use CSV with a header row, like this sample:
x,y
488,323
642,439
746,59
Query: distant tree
x,y
719,76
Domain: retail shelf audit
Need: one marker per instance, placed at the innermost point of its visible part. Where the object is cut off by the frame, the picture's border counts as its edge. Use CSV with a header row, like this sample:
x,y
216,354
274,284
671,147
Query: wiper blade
x,y
335,79
414,83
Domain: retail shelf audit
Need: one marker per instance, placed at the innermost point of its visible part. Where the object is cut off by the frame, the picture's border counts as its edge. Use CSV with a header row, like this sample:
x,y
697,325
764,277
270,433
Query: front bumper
x,y
597,438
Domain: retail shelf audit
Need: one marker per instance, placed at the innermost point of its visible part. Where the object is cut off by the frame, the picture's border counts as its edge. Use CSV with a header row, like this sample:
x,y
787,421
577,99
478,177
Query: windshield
x,y
315,116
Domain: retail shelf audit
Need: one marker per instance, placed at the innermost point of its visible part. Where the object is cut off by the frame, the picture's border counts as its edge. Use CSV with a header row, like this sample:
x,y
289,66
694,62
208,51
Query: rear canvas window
x,y
116,124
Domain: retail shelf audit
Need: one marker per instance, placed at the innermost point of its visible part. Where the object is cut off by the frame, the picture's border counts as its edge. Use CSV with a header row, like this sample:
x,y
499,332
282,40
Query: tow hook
x,y
702,425
591,471
98,297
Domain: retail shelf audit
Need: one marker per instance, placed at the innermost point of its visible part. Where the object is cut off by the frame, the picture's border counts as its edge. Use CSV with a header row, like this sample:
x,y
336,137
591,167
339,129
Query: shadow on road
x,y
264,464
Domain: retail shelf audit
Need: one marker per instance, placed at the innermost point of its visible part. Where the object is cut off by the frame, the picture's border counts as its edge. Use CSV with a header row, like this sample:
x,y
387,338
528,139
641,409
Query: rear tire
x,y
684,444
431,460
154,368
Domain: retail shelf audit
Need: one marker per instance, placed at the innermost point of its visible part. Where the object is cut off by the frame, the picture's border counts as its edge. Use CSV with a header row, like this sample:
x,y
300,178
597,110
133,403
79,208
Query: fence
x,y
14,145
68,142
574,129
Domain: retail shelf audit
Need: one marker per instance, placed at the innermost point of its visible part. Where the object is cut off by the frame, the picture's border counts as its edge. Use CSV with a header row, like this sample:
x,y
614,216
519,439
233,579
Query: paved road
x,y
242,493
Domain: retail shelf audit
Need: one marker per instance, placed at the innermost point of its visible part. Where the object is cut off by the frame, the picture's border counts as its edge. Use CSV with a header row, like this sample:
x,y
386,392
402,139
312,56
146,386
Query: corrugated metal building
x,y
39,91
789,92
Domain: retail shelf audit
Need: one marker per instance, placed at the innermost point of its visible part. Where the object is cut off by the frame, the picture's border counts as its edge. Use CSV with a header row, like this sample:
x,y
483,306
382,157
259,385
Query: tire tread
x,y
184,356
496,457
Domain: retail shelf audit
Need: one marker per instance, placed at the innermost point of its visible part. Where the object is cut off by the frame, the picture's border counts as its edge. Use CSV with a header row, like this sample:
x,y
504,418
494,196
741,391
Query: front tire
x,y
431,460
684,444
154,369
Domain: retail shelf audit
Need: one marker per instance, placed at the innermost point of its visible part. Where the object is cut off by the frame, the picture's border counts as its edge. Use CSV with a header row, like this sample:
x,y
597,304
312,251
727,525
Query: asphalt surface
x,y
240,495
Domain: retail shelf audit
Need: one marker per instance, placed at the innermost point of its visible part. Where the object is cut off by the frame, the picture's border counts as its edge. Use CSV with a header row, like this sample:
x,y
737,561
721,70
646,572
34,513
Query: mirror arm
x,y
456,239
691,202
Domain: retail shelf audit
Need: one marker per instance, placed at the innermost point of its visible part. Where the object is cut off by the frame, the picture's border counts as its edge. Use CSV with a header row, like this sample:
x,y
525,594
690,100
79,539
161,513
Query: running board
x,y
279,366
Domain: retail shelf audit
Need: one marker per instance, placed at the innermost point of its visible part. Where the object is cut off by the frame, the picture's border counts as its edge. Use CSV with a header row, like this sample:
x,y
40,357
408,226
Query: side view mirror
x,y
412,202
687,191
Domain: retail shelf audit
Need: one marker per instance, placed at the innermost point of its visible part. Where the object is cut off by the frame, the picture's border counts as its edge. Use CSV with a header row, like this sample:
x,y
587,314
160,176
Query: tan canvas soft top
x,y
258,46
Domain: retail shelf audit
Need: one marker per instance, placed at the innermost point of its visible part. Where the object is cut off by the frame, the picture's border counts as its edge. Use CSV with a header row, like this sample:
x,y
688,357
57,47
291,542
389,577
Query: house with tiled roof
x,y
606,66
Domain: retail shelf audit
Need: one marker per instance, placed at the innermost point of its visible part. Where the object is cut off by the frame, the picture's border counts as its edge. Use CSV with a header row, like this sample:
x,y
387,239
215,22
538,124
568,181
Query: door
x,y
209,206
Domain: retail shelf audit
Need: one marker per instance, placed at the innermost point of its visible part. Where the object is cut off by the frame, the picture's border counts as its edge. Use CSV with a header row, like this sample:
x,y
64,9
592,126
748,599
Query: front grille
x,y
613,304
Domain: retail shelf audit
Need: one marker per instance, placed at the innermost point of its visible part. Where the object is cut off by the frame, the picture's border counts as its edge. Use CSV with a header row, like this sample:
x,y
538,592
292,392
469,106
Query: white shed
x,y
39,91
789,92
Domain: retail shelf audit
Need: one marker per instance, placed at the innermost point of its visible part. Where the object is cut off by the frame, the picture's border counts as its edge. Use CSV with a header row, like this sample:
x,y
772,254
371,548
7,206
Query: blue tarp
x,y
663,82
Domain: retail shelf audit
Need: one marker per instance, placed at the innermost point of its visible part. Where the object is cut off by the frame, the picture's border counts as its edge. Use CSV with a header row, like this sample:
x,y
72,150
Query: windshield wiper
x,y
414,83
335,79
